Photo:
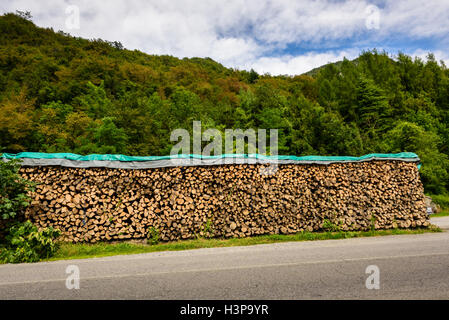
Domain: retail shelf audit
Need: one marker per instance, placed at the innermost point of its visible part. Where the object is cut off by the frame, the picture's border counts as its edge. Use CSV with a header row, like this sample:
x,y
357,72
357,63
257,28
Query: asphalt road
x,y
410,267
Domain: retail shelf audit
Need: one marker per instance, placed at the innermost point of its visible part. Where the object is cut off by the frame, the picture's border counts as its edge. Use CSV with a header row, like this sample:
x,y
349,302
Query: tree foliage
x,y
20,240
25,243
13,192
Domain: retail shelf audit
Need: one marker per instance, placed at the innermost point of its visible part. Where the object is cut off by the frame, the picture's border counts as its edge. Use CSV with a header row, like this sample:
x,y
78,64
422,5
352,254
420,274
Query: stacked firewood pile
x,y
98,204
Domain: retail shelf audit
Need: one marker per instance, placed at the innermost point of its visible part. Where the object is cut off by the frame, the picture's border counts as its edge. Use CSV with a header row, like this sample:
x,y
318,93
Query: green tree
x,y
372,105
109,138
95,101
16,122
410,137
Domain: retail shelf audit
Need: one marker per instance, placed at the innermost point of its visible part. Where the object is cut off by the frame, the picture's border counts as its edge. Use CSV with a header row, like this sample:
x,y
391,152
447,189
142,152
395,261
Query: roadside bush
x,y
13,191
329,226
25,243
20,241
153,236
442,200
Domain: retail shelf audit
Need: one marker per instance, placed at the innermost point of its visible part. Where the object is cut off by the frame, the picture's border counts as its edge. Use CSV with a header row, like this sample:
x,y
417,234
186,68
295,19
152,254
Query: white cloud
x,y
240,33
416,18
439,55
298,64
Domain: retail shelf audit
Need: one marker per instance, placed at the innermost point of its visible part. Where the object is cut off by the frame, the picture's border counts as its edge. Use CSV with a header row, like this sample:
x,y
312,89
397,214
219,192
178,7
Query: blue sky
x,y
278,37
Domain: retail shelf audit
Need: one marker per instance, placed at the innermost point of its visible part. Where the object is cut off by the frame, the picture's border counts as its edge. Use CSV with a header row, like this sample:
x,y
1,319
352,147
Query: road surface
x,y
410,267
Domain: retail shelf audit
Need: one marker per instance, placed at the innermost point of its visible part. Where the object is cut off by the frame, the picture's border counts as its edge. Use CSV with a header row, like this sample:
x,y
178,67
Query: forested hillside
x,y
60,93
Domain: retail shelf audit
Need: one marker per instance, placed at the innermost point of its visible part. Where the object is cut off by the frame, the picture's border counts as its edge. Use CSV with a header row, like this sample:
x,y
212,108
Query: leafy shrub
x,y
21,241
208,230
153,236
25,243
330,226
442,200
13,191
373,223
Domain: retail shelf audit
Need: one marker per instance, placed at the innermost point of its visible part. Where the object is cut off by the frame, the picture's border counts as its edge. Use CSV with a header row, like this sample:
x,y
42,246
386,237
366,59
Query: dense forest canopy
x,y
60,93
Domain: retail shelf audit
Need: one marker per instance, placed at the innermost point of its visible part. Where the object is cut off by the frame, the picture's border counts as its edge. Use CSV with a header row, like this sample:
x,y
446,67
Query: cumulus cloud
x,y
416,18
255,34
439,55
289,65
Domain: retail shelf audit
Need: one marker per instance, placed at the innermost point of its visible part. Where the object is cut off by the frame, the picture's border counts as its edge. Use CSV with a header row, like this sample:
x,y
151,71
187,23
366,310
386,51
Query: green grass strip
x,y
443,213
104,249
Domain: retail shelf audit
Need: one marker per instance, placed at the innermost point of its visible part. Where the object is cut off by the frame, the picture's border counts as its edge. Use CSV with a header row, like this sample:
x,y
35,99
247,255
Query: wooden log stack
x,y
100,204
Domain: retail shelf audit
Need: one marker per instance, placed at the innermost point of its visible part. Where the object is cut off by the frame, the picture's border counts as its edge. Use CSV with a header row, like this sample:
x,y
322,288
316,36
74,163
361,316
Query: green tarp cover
x,y
407,156
118,161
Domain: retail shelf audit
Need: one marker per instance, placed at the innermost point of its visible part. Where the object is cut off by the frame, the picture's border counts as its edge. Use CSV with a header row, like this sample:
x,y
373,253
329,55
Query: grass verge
x,y
443,213
104,249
